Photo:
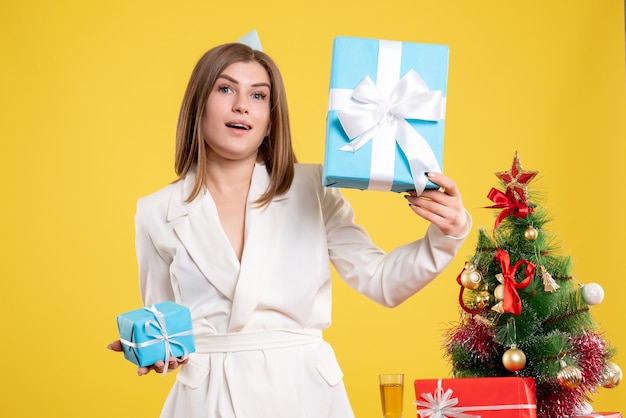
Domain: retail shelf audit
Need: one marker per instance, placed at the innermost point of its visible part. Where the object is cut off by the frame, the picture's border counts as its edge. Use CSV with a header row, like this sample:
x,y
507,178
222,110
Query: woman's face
x,y
237,114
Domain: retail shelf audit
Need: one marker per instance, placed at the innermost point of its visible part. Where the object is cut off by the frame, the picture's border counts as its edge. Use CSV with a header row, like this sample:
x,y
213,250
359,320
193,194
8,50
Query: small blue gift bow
x,y
162,335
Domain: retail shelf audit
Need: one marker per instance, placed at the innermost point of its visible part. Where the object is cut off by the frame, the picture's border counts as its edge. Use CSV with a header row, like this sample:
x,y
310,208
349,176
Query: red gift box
x,y
488,397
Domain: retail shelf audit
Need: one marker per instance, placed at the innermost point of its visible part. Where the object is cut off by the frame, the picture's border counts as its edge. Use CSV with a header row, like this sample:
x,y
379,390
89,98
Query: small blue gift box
x,y
156,333
385,121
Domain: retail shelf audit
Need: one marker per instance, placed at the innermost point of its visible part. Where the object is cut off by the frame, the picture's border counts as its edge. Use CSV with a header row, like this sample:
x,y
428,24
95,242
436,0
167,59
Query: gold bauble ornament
x,y
470,277
531,233
569,377
514,359
483,299
498,292
612,376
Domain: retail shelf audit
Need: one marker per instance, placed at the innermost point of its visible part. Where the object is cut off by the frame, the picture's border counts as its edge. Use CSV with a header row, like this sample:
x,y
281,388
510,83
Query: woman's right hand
x,y
158,367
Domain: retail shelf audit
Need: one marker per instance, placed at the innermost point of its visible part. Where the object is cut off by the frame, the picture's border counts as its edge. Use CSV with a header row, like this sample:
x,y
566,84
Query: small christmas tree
x,y
524,314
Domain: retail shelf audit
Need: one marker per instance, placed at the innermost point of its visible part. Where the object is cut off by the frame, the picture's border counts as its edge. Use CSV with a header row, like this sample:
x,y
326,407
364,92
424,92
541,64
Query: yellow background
x,y
89,96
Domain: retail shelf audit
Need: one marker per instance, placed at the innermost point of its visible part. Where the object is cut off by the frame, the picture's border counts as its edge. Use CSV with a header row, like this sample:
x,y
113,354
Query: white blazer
x,y
258,323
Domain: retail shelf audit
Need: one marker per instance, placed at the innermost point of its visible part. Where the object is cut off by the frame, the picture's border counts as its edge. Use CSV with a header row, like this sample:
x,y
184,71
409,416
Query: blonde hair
x,y
276,150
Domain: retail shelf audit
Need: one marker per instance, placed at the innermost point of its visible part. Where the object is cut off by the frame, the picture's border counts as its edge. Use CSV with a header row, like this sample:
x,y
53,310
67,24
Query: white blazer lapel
x,y
258,251
204,239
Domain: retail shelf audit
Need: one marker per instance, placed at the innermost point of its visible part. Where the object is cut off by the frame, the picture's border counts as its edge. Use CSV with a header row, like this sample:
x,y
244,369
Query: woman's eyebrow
x,y
232,80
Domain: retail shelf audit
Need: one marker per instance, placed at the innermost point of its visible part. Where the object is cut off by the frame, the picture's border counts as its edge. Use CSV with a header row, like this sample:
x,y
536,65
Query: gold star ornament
x,y
516,180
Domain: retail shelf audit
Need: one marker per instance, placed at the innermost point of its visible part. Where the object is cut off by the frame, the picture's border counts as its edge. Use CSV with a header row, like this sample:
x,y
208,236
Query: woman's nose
x,y
241,104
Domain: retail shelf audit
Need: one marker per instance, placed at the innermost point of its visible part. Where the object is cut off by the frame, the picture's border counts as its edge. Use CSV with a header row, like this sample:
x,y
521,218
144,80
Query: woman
x,y
245,239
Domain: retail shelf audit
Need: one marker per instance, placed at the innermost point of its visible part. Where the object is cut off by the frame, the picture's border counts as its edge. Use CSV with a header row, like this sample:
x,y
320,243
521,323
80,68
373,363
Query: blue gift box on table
x,y
156,333
385,120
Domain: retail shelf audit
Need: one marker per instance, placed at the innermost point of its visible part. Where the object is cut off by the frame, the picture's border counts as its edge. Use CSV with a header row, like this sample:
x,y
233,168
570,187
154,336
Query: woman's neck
x,y
225,178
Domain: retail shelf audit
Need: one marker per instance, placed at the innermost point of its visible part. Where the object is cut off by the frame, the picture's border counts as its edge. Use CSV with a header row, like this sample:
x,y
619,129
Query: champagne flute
x,y
391,394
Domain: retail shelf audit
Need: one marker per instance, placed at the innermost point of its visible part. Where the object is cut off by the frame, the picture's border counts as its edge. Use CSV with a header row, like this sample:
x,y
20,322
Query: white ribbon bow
x,y
409,99
384,120
161,335
440,405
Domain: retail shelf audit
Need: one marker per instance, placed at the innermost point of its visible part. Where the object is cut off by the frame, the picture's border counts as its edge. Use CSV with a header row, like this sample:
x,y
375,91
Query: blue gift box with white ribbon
x,y
156,333
385,120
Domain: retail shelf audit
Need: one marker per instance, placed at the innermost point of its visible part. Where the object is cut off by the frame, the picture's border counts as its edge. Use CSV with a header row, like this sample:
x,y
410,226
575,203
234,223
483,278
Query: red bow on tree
x,y
510,205
512,302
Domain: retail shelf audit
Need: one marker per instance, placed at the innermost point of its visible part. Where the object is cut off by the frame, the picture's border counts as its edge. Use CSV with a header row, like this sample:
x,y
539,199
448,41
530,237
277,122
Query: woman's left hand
x,y
442,207
158,367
